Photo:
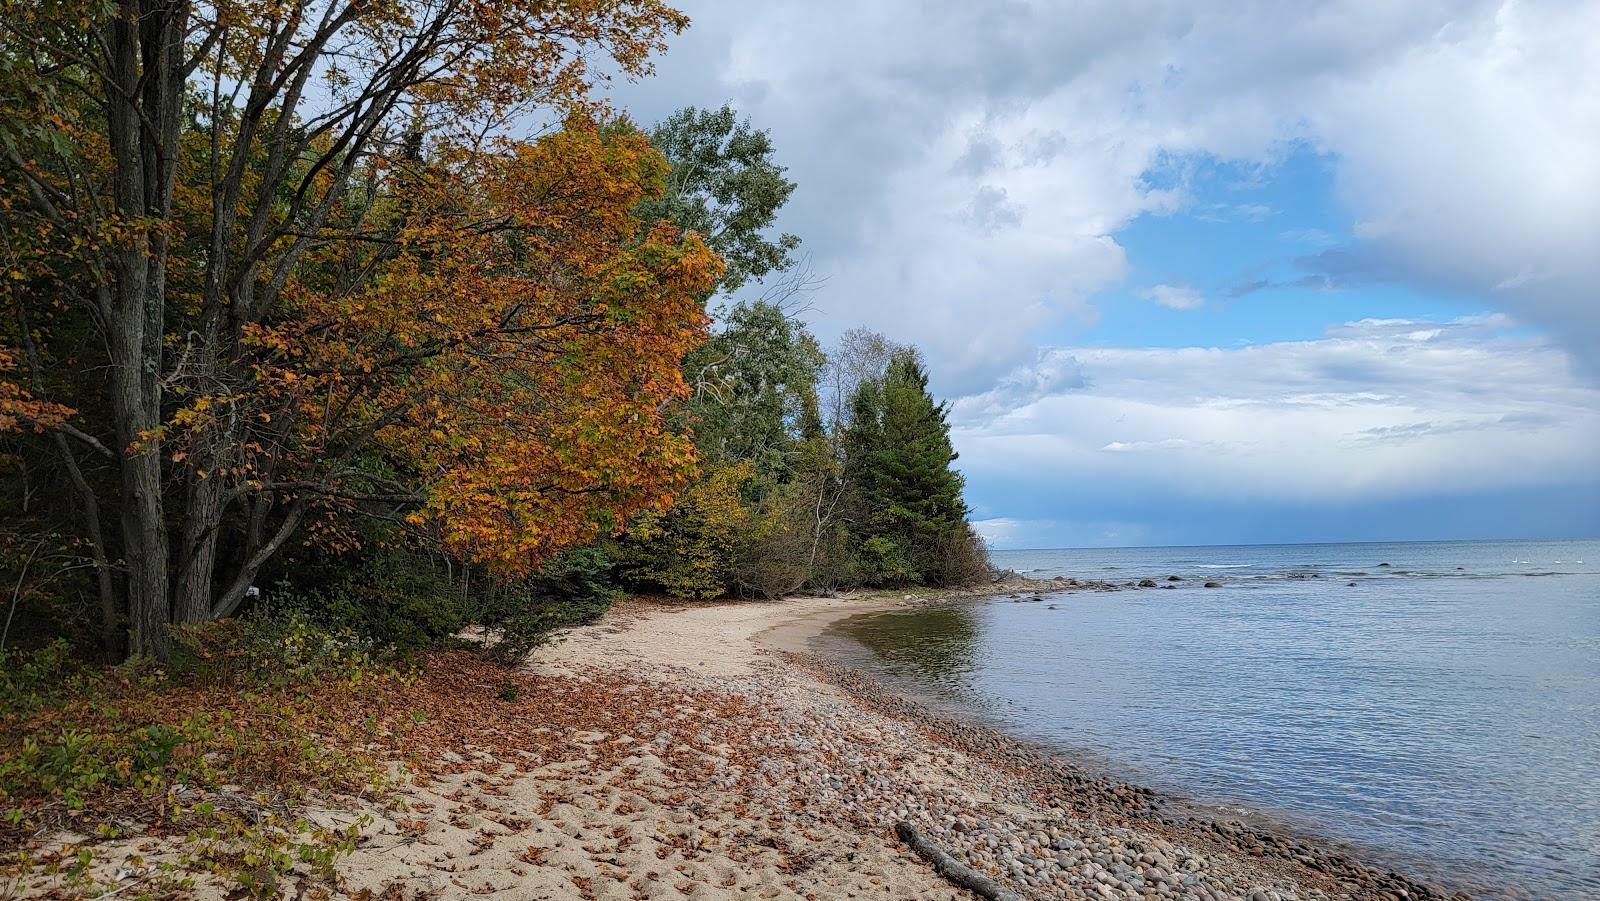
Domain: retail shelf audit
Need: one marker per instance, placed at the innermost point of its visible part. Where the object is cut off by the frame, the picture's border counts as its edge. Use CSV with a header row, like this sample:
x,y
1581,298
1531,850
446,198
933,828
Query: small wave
x,y
1223,565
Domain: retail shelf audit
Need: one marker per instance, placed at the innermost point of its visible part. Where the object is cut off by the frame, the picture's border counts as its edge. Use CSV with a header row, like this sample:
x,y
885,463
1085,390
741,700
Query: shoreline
x,y
701,750
1259,831
800,642
1308,866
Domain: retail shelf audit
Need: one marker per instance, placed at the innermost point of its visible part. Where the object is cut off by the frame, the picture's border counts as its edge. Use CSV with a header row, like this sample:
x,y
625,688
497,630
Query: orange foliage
x,y
514,353
18,407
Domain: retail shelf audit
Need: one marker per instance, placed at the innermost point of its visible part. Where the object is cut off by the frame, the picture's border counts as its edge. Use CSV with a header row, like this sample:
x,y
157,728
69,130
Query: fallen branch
x,y
952,869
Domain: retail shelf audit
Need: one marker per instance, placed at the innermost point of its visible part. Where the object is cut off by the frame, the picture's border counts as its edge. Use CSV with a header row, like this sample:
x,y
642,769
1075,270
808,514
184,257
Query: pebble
x,y
1072,836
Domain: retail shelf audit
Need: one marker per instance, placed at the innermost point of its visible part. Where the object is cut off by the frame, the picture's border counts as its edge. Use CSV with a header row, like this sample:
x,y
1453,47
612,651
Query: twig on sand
x,y
952,869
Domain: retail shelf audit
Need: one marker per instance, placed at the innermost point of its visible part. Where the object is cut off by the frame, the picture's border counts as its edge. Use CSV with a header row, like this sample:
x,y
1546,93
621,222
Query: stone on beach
x,y
772,773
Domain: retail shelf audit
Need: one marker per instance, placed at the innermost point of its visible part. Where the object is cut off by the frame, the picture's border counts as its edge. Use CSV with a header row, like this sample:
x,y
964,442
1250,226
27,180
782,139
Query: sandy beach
x,y
802,801
697,751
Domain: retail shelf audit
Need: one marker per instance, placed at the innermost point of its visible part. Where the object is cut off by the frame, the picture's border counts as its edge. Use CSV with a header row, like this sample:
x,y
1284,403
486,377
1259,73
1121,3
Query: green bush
x,y
30,680
880,562
267,647
572,588
392,596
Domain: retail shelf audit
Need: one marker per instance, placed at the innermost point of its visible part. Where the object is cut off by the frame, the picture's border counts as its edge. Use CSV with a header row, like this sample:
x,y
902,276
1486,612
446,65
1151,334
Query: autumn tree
x,y
277,246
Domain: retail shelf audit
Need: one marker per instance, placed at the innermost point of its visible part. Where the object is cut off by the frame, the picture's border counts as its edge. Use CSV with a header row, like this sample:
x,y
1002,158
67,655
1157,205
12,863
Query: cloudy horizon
x,y
1224,274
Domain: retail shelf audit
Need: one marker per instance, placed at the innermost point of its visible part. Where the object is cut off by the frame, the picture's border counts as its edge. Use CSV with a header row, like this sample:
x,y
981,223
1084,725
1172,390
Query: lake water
x,y
1442,711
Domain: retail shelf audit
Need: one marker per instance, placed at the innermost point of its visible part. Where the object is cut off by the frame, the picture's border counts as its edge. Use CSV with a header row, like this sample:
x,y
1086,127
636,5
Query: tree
x,y
860,356
725,186
298,300
906,498
753,416
754,383
689,551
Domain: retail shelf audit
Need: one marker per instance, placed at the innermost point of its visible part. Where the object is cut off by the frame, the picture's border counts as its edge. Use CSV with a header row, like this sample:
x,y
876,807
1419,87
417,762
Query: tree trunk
x,y
231,597
201,527
144,528
144,69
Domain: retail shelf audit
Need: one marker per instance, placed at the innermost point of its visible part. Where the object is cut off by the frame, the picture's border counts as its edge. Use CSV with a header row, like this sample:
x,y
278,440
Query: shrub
x,y
962,562
267,647
33,679
572,588
881,562
392,596
773,556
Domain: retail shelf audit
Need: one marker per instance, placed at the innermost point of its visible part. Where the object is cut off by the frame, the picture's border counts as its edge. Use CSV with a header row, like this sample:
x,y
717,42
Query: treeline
x,y
818,472
289,321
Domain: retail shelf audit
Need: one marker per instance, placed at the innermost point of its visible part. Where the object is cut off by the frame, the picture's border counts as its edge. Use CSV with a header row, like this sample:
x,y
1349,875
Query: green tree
x,y
755,389
726,186
906,501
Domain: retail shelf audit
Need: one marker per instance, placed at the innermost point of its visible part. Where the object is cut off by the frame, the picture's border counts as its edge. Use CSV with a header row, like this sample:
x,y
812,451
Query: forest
x,y
348,351
376,318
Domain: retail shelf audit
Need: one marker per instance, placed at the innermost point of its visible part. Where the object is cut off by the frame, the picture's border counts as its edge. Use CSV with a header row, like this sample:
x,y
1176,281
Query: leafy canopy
x,y
726,186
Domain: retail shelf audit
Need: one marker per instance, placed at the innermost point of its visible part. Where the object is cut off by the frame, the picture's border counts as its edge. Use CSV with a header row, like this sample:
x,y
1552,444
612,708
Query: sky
x,y
1204,272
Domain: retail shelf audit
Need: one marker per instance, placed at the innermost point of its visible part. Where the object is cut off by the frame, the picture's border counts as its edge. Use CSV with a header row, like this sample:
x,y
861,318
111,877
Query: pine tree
x,y
907,502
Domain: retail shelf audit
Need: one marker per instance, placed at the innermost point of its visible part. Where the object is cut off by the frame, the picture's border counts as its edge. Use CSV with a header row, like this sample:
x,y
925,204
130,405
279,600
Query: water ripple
x,y
1445,713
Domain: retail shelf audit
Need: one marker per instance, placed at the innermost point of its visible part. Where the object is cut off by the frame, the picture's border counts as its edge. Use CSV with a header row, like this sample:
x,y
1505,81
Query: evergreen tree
x,y
906,500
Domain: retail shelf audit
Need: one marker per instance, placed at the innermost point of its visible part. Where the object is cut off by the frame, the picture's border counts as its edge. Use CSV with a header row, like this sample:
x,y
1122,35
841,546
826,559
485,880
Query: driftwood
x,y
952,869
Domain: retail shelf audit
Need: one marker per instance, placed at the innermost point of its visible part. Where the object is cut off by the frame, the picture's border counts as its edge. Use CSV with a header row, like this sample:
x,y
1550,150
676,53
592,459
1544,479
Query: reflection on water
x,y
937,646
1426,700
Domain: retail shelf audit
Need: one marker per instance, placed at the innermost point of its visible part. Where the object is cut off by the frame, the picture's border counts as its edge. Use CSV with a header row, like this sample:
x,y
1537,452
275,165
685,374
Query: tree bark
x,y
145,75
201,528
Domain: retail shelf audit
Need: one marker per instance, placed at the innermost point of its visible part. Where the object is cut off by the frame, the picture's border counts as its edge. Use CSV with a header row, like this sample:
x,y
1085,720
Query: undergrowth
x,y
98,753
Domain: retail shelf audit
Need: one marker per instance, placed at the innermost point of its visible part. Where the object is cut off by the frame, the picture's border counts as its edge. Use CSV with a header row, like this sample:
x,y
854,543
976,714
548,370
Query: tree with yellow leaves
x,y
277,250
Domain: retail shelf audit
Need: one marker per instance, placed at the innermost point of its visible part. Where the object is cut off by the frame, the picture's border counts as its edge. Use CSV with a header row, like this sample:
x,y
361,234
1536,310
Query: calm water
x,y
1442,711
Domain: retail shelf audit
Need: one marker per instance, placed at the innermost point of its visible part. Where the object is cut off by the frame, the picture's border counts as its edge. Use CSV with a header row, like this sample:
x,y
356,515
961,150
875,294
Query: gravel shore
x,y
700,751
844,753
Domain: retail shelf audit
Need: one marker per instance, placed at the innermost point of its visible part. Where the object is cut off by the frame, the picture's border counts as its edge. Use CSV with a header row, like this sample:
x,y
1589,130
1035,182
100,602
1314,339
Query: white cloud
x,y
965,168
1175,297
1378,409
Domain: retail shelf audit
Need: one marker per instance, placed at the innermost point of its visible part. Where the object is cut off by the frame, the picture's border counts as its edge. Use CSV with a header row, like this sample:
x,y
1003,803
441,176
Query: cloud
x,y
1311,236
1377,409
965,169
1175,297
991,211
1124,447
